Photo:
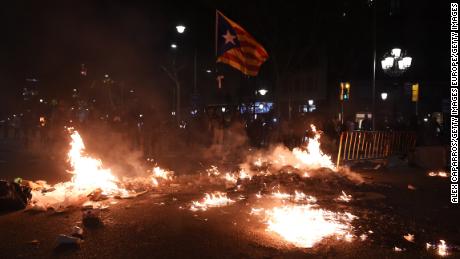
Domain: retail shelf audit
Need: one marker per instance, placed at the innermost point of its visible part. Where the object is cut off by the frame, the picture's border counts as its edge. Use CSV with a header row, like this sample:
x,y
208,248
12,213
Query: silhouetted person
x,y
366,124
350,124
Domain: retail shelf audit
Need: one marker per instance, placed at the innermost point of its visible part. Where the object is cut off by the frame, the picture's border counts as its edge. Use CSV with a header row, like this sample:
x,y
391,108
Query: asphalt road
x,y
160,225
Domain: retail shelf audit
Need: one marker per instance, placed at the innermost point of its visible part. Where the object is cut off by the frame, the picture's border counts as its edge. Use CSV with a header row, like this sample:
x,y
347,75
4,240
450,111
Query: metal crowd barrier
x,y
369,145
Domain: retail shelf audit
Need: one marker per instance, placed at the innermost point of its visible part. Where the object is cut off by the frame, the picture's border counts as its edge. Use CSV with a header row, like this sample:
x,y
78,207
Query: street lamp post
x,y
180,28
395,63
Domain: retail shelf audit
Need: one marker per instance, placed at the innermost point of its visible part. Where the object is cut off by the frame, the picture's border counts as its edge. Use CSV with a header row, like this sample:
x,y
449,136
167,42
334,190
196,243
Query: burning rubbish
x,y
442,248
300,196
305,225
280,195
344,197
276,185
409,237
90,181
397,249
87,172
438,174
160,175
309,157
215,199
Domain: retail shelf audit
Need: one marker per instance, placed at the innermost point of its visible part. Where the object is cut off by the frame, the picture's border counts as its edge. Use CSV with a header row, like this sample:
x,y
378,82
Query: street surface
x,y
159,223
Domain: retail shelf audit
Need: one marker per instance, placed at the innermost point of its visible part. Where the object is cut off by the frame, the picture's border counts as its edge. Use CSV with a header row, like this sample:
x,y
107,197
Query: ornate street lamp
x,y
396,62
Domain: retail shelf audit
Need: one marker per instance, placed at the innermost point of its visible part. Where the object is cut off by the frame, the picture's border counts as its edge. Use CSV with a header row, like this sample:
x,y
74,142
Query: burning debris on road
x,y
215,199
297,197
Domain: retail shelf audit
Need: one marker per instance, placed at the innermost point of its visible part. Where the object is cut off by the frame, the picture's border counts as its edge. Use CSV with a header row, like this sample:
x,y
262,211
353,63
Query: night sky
x,y
130,39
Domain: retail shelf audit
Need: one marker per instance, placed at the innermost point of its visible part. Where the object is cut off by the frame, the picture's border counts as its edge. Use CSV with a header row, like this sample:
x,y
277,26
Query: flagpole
x,y
215,35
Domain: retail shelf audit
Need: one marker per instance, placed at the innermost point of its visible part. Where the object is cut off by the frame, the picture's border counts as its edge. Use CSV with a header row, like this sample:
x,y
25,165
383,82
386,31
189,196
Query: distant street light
x,y
384,96
173,46
180,28
208,71
263,91
310,102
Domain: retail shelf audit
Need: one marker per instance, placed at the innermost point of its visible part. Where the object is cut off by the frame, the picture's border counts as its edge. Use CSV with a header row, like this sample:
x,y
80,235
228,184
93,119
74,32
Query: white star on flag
x,y
229,38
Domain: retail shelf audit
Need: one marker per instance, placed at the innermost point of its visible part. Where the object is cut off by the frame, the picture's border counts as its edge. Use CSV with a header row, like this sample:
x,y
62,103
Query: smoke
x,y
115,149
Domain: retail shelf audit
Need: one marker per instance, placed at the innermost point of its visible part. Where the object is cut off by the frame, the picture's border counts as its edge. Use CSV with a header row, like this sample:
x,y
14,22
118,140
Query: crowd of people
x,y
157,133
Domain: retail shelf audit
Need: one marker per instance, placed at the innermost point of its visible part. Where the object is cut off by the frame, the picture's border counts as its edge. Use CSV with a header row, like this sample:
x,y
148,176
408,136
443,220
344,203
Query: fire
x,y
442,248
397,249
159,173
304,226
244,175
439,174
213,171
281,195
300,196
88,173
344,197
258,162
256,211
231,178
409,237
312,156
215,199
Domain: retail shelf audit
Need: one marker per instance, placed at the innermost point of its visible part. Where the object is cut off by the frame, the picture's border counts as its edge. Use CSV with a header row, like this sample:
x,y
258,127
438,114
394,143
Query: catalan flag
x,y
237,48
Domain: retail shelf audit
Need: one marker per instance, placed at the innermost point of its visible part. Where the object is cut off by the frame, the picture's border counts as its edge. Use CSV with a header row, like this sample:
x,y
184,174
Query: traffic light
x,y
415,92
344,91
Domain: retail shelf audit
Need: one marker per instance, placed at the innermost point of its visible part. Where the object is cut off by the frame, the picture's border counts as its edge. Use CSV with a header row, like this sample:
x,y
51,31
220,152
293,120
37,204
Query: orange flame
x,y
215,199
304,226
88,173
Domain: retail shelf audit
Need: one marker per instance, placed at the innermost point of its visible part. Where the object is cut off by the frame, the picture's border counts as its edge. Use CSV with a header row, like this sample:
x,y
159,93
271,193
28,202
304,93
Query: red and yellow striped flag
x,y
237,48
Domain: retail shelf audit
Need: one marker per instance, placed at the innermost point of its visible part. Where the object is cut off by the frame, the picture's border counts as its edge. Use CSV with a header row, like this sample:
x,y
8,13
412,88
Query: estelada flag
x,y
237,48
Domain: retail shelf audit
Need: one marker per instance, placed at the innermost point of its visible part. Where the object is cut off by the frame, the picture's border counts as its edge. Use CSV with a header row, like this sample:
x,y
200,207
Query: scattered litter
x,y
98,195
77,232
91,218
34,242
68,240
130,195
13,196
